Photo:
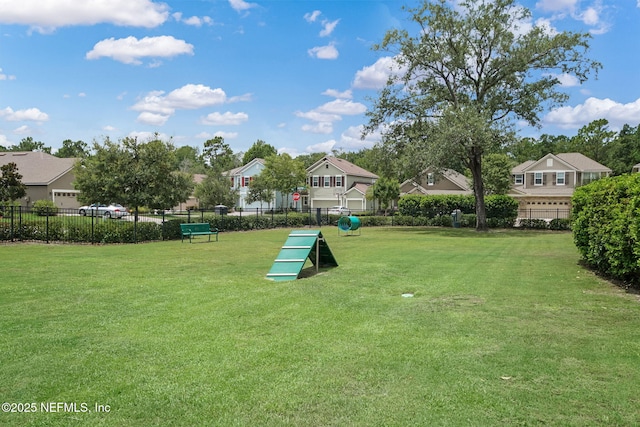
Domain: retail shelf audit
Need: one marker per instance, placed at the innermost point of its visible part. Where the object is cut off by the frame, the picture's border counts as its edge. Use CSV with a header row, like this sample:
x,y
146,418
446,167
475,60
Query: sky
x,y
297,74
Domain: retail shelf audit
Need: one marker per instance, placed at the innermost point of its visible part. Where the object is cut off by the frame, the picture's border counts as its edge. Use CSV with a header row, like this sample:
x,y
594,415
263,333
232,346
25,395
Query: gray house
x,y
432,181
47,177
332,181
545,186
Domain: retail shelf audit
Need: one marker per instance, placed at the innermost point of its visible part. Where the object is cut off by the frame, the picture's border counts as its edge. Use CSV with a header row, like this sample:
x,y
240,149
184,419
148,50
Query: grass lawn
x,y
504,328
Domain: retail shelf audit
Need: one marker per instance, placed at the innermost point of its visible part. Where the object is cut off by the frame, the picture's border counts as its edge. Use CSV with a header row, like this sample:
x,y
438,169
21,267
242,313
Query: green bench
x,y
197,229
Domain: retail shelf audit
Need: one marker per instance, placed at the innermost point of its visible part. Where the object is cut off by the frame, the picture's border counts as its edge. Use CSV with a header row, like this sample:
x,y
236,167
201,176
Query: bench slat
x,y
197,229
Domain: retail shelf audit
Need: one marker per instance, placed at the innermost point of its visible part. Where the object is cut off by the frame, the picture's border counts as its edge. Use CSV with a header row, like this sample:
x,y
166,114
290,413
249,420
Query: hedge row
x,y
103,232
606,226
497,206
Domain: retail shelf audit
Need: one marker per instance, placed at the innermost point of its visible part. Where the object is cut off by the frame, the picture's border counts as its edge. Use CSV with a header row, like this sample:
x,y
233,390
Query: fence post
x,y
12,223
163,228
46,228
135,226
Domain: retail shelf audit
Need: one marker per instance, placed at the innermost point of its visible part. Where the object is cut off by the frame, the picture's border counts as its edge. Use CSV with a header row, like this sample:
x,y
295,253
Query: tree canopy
x,y
470,71
73,149
284,174
11,186
259,149
132,173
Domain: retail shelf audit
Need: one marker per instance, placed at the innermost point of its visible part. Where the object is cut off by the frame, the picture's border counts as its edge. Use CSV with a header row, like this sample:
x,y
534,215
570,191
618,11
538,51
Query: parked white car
x,y
114,210
339,210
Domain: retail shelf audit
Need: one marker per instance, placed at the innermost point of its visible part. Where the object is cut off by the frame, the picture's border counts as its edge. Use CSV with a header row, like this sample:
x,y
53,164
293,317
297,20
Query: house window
x,y
537,179
245,181
430,179
338,180
327,181
588,177
560,178
316,181
519,179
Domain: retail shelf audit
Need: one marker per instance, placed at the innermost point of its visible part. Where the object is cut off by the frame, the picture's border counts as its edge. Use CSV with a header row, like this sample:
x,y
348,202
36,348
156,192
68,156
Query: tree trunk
x,y
475,164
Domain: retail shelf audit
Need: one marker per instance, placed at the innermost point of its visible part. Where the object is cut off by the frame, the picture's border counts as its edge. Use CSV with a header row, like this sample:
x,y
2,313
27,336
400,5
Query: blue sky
x,y
297,74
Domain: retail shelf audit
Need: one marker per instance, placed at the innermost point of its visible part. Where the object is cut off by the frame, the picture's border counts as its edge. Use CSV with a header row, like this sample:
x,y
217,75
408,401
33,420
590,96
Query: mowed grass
x,y
504,328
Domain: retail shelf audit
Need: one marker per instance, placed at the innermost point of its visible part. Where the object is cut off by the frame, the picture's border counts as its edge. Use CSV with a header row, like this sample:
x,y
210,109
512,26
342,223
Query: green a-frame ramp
x,y
300,245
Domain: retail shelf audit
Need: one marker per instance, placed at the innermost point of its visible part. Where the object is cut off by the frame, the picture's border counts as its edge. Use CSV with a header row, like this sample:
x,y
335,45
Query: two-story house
x,y
431,181
544,187
332,181
241,177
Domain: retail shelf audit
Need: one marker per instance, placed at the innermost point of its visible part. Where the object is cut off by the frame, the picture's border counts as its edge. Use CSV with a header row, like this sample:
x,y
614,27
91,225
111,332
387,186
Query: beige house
x,y
332,181
636,169
544,187
430,182
47,177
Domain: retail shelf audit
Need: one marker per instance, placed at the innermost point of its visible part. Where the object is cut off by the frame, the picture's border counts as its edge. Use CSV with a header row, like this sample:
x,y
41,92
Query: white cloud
x,y
590,15
30,114
22,130
227,118
594,108
241,5
188,97
566,80
326,114
319,127
109,128
153,119
324,52
375,76
312,16
323,147
328,27
129,50
195,21
4,76
149,136
318,116
241,98
342,107
347,94
556,5
351,138
51,14
156,107
226,135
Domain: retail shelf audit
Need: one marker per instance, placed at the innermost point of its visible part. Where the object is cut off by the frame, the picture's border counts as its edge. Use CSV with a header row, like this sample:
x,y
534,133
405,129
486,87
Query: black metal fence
x,y
69,225
546,214
19,223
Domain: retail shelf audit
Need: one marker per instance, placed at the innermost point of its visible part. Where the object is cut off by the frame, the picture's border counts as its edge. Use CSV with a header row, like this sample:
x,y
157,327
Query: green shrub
x,y
560,224
533,223
45,208
606,217
501,206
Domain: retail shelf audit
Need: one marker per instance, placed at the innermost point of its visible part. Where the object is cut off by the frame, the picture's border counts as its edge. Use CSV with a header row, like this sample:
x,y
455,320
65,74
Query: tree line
x,y
116,171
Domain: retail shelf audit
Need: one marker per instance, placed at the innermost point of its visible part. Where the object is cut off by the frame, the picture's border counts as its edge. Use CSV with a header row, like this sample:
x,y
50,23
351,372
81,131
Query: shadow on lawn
x,y
470,232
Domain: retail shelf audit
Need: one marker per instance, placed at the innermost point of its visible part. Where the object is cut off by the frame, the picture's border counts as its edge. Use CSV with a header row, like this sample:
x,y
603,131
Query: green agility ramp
x,y
300,245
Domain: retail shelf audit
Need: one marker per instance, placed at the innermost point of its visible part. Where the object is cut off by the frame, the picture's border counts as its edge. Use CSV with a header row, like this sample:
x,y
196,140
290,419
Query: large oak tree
x,y
471,70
